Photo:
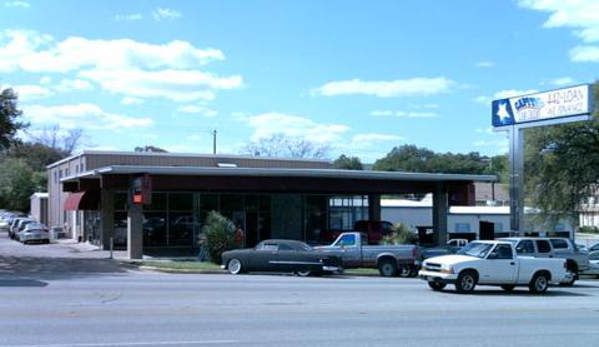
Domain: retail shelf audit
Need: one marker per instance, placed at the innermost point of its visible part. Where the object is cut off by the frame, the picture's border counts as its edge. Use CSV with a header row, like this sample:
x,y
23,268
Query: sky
x,y
359,77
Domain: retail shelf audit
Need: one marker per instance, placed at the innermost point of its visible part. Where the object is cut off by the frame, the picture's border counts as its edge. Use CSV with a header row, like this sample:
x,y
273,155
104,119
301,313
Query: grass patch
x,y
181,265
362,272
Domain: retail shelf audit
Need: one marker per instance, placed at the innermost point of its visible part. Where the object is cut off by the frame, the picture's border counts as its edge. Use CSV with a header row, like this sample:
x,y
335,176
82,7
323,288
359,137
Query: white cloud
x,y
585,54
165,13
485,64
204,111
175,85
123,66
25,50
85,116
128,17
563,81
387,89
403,114
581,15
503,94
32,92
14,4
269,124
131,101
68,85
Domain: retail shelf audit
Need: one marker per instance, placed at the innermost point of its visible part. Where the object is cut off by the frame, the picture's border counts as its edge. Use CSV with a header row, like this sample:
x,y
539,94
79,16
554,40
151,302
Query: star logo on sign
x,y
502,112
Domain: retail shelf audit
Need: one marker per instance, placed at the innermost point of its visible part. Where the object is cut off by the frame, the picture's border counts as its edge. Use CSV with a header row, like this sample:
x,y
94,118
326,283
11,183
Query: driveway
x,y
59,259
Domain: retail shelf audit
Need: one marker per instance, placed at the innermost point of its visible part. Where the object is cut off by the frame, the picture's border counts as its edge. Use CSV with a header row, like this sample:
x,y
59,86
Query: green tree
x,y
562,167
9,118
348,163
17,182
405,158
37,155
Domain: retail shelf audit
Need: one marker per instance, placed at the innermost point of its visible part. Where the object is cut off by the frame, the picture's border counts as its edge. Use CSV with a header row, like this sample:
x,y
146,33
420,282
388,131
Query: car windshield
x,y
476,249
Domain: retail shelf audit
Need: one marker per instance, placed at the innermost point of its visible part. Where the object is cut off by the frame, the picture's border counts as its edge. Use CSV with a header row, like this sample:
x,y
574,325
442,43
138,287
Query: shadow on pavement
x,y
46,268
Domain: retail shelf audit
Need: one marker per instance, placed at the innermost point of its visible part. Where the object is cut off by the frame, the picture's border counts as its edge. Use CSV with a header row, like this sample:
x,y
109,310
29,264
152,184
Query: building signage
x,y
548,105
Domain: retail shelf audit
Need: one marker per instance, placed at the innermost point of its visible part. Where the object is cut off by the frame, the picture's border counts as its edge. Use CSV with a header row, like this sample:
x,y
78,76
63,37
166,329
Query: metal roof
x,y
274,172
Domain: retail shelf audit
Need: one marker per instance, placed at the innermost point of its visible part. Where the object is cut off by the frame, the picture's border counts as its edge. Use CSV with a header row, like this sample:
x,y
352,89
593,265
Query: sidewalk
x,y
86,249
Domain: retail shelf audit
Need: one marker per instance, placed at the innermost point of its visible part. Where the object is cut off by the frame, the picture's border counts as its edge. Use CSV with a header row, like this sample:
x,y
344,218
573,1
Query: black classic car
x,y
280,256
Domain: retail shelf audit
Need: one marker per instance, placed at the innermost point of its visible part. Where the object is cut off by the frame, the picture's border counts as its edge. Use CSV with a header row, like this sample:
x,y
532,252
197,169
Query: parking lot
x,y
74,297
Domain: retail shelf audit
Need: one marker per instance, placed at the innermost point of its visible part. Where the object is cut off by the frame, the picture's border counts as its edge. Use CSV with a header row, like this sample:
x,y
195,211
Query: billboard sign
x,y
560,103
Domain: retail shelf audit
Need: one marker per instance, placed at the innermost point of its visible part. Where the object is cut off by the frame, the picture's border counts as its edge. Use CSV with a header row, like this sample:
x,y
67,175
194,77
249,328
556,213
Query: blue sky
x,y
361,77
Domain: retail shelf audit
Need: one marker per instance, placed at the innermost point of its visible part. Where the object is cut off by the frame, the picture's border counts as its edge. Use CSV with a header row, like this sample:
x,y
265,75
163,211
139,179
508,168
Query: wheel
x,y
508,287
436,286
387,268
539,283
304,273
234,266
573,268
405,271
466,282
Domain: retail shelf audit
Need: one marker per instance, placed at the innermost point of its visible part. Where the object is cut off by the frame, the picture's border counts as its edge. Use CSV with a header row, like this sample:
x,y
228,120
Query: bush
x,y
219,235
401,235
588,230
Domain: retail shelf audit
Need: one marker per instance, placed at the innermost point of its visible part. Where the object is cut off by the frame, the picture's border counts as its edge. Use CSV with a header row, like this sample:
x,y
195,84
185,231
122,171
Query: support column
x,y
440,211
516,179
374,207
134,231
106,217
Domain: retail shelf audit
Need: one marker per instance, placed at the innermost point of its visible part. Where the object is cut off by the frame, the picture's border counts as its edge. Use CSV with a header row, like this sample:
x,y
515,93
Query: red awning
x,y
85,200
73,200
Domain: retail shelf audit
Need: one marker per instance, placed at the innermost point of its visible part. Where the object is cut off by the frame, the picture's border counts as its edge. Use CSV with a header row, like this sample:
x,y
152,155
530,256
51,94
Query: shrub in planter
x,y
219,235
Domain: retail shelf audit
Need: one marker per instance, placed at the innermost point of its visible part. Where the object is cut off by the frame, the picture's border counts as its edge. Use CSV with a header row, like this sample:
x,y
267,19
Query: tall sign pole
x,y
515,114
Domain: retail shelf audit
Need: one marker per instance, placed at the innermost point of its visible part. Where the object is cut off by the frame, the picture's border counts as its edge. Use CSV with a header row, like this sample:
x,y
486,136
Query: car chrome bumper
x,y
433,276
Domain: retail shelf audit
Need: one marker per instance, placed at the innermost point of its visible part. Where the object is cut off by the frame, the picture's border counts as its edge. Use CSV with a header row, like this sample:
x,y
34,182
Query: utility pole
x,y
214,141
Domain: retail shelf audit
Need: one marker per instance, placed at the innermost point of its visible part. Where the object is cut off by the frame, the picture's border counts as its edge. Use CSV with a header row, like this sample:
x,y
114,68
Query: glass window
x,y
559,243
120,201
503,251
347,240
543,246
158,202
284,247
525,247
180,201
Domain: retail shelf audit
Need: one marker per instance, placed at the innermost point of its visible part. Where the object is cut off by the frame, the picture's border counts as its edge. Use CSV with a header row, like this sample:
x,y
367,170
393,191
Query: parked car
x,y
17,225
553,247
280,256
493,263
452,247
391,260
593,269
593,248
34,232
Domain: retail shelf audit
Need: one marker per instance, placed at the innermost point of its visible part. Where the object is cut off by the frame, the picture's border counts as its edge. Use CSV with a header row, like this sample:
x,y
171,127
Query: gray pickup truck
x,y
391,260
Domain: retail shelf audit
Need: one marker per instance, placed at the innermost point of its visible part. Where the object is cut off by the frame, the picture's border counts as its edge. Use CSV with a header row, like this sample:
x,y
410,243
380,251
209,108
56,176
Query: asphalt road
x,y
74,301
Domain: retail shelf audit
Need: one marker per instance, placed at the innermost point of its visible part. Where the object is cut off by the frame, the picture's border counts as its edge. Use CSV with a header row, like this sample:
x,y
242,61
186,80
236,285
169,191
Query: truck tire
x,y
573,268
436,286
539,283
405,271
387,268
466,282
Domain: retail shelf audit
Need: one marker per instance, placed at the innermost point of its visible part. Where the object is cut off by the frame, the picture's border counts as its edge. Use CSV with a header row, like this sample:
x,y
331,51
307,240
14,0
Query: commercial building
x,y
160,200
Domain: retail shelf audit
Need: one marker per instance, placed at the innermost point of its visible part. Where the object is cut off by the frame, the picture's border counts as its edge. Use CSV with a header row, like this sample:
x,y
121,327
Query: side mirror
x,y
493,255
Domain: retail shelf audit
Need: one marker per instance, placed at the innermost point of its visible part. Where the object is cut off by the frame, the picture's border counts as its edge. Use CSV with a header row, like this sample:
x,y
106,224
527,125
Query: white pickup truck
x,y
493,263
